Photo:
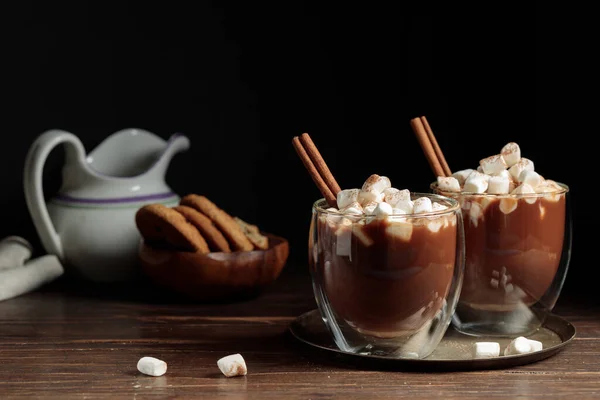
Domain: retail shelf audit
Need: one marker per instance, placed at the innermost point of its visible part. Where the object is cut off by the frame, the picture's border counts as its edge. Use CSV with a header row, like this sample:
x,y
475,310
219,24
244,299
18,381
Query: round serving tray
x,y
453,353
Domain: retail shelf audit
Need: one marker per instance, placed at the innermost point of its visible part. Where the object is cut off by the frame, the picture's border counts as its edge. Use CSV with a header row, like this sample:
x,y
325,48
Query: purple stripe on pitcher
x,y
132,199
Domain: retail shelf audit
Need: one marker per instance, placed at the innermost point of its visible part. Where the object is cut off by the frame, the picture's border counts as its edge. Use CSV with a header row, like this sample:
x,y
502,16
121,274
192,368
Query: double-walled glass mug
x,y
387,285
518,248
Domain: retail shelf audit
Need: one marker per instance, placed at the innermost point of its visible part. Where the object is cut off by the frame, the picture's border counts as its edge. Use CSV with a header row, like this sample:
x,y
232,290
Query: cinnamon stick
x,y
436,147
314,173
427,147
319,163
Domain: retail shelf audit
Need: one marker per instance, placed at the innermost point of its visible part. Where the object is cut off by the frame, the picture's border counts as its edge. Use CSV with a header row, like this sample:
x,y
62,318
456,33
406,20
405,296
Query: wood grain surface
x,y
74,341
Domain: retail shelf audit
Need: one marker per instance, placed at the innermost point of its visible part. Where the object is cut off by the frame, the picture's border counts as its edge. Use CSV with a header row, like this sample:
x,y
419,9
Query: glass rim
x,y
565,189
452,206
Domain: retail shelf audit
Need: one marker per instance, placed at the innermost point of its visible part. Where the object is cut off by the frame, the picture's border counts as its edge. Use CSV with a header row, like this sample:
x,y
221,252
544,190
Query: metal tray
x,y
453,352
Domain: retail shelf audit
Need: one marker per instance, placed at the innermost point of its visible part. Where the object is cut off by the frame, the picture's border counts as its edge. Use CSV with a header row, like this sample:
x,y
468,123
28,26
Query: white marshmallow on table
x,y
511,152
522,345
34,274
486,349
498,185
14,252
477,182
232,365
152,366
462,175
422,205
493,164
392,195
346,197
448,183
376,183
525,189
530,177
522,165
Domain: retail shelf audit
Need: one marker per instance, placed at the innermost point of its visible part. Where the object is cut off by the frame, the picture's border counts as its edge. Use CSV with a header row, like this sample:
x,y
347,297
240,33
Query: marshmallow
x,y
535,345
352,209
392,195
369,209
449,184
511,152
504,173
462,175
493,164
405,205
232,365
548,185
530,177
523,164
508,205
400,230
422,205
525,190
362,236
486,349
519,345
383,209
435,206
498,185
347,197
343,242
434,225
369,196
476,183
376,183
152,366
14,252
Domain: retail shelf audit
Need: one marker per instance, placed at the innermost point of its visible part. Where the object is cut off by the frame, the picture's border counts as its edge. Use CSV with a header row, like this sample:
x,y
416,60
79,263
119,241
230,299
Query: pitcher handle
x,y
32,183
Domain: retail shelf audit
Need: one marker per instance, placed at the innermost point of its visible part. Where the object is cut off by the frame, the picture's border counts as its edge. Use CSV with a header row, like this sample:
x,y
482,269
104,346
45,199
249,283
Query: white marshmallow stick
x,y
14,252
152,366
232,365
34,274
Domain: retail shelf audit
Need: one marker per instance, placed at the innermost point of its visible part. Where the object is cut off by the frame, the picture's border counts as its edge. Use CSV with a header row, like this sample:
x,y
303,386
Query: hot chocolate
x,y
385,258
514,221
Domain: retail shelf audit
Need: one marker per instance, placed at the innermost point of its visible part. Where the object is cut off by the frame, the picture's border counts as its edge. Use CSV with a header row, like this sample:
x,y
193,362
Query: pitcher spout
x,y
177,143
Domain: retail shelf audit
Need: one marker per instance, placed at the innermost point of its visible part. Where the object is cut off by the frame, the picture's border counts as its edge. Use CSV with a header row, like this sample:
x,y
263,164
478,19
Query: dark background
x,y
240,80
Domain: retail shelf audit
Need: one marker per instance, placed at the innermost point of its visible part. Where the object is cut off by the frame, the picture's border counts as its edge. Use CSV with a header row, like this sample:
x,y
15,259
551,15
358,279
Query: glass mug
x,y
518,249
387,286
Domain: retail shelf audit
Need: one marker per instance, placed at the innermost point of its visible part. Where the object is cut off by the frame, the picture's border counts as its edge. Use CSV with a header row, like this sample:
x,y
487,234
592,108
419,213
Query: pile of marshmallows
x,y
377,197
504,173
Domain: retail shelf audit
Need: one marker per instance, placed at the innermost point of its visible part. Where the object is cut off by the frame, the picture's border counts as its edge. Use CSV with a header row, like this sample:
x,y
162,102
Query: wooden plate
x,y
217,276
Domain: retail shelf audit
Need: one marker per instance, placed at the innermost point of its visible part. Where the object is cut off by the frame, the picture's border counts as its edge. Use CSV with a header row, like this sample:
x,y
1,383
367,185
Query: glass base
x,y
521,321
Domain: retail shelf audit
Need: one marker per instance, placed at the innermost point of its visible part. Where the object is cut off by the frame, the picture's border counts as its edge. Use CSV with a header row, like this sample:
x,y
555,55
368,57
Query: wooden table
x,y
67,341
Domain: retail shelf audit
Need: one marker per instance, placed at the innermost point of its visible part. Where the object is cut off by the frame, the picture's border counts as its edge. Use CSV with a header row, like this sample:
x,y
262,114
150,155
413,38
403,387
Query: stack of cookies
x,y
197,225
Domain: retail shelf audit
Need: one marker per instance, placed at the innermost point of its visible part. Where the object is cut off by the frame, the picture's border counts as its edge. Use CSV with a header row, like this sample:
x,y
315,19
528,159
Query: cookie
x,y
160,225
252,232
225,222
215,239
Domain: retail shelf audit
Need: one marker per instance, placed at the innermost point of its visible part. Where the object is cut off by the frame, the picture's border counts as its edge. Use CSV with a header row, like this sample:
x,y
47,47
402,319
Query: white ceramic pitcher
x,y
90,223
